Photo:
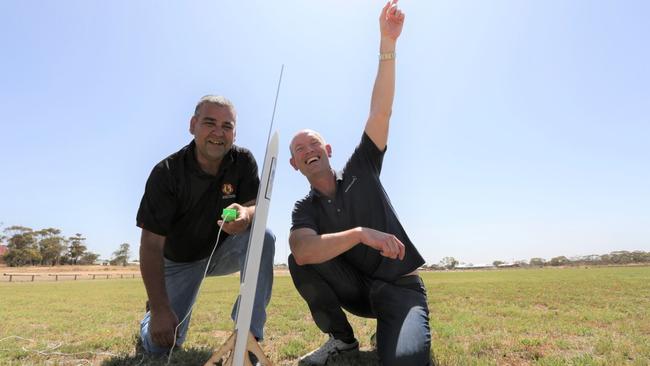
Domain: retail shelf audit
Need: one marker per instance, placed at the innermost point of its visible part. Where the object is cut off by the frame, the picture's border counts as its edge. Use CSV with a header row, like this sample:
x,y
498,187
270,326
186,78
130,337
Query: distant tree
x,y
539,262
2,237
88,258
121,256
591,259
76,248
559,261
643,257
521,263
51,246
449,262
497,263
17,229
639,256
621,257
605,259
21,247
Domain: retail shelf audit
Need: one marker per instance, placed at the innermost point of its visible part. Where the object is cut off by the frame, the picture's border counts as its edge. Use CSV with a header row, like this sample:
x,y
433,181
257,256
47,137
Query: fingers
x,y
234,227
395,13
228,227
384,11
390,10
162,326
399,249
393,248
388,245
164,338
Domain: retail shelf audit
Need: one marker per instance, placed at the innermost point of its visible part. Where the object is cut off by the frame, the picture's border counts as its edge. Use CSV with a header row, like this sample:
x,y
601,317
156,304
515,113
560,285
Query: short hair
x,y
316,134
218,100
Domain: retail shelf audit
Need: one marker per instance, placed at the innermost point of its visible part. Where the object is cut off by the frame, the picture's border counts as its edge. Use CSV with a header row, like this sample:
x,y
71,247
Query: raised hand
x,y
391,21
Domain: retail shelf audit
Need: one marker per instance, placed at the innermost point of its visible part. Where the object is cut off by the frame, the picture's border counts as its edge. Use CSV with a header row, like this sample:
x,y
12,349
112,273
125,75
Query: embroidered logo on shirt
x,y
227,189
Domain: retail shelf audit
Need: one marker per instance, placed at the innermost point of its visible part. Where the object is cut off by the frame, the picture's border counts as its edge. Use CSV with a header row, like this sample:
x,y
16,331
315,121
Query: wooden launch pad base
x,y
227,350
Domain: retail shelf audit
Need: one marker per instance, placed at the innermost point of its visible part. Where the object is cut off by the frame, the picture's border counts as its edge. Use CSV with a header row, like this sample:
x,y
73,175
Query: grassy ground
x,y
594,316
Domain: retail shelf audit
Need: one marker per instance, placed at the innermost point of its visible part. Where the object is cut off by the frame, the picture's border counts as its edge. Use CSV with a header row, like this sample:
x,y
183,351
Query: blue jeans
x,y
182,281
400,307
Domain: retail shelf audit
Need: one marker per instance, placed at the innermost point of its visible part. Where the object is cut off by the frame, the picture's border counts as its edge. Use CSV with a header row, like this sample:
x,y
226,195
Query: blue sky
x,y
520,128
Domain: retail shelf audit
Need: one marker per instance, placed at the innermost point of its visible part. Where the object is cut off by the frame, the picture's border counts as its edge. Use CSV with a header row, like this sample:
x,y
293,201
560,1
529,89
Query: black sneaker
x,y
253,358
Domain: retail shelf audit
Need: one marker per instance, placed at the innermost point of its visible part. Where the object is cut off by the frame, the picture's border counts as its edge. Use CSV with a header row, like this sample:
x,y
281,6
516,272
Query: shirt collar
x,y
227,161
313,193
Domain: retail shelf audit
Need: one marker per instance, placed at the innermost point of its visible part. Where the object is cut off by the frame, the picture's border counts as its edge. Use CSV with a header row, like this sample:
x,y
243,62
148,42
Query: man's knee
x,y
411,348
408,343
391,358
150,348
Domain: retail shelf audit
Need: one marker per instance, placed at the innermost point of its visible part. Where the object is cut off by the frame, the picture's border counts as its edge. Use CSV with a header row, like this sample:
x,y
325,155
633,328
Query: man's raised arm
x,y
391,21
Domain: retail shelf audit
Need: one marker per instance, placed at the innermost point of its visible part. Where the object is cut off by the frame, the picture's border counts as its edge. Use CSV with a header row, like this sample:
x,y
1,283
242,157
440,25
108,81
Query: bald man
x,y
349,250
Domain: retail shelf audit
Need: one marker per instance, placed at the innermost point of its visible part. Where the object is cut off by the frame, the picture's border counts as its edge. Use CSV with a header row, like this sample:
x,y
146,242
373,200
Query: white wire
x,y
205,273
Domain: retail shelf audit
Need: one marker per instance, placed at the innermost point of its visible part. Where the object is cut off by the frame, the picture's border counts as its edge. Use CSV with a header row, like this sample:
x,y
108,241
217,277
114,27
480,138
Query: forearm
x,y
312,248
383,92
152,267
381,104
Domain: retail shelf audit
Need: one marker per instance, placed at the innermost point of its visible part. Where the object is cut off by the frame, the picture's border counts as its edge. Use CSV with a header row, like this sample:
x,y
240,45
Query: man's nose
x,y
218,130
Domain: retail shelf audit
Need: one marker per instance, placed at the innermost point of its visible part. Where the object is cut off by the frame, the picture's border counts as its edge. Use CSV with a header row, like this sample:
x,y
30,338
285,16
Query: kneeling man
x,y
349,250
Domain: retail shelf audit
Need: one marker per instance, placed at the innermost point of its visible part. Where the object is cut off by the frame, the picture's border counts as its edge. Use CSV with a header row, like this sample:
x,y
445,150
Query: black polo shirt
x,y
183,203
360,201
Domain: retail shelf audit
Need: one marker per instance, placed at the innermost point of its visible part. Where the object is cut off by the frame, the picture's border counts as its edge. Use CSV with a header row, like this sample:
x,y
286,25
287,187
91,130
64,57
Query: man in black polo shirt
x,y
180,217
349,250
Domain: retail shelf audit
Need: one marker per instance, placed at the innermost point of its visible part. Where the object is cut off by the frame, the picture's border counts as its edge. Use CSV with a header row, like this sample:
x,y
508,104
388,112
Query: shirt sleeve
x,y
304,216
367,154
250,181
158,204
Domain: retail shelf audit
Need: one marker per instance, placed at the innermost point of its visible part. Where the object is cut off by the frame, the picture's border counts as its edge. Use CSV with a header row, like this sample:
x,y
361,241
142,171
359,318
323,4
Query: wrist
x,y
359,234
249,217
387,44
159,307
387,56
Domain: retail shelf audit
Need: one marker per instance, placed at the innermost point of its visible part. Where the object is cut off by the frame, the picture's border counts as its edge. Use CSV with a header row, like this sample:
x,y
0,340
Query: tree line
x,y
47,247
620,257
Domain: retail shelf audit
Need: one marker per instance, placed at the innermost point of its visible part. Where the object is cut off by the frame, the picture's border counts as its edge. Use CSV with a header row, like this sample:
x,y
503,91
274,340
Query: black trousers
x,y
400,307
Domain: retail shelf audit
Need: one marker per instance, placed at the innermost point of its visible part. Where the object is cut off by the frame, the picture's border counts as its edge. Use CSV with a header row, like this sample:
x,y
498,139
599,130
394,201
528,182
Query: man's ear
x,y
328,148
192,124
293,163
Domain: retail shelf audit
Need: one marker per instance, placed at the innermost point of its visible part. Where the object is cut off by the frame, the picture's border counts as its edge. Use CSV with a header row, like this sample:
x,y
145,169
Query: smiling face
x,y
213,128
310,154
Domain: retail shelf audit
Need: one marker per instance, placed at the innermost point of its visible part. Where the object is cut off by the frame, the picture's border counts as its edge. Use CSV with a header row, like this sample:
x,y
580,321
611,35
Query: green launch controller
x,y
229,214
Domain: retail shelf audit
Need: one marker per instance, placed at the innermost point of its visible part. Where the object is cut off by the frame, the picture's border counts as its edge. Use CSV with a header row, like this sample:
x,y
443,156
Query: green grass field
x,y
592,316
